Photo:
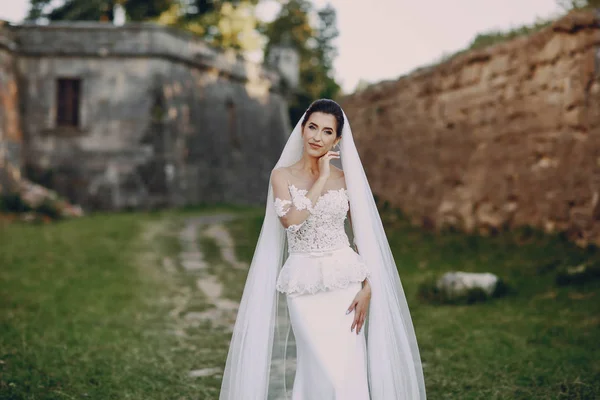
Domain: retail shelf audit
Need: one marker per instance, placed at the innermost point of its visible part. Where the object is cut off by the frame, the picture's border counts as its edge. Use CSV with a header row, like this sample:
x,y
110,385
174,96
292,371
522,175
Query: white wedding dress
x,y
322,275
320,278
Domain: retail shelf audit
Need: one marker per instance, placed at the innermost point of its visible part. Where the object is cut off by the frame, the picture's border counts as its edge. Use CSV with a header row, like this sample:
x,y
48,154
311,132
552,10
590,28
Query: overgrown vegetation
x,y
230,24
315,46
85,313
13,203
83,317
578,274
536,342
490,38
576,4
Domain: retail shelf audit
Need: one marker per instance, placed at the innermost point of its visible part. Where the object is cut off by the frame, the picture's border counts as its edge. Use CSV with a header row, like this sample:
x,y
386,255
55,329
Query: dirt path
x,y
205,268
217,311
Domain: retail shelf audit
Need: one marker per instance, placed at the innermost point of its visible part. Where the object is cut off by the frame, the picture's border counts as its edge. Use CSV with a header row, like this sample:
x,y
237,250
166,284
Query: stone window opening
x,y
68,102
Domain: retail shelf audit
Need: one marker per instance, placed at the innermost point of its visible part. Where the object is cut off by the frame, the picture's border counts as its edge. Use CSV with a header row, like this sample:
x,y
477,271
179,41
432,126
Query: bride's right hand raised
x,y
324,166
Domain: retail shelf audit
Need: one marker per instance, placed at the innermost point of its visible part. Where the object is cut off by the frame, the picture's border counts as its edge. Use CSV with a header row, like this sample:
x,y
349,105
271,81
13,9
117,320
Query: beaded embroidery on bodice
x,y
323,229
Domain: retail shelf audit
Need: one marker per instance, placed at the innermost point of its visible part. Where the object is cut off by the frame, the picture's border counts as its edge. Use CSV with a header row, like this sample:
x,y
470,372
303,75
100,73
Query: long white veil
x,y
260,364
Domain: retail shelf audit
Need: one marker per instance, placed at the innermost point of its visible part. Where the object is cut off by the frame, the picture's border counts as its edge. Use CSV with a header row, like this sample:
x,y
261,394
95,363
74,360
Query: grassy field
x,y
89,311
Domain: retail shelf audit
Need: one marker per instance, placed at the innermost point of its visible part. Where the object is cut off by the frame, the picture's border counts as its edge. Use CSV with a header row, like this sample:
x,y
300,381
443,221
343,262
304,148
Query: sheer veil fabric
x,y
260,363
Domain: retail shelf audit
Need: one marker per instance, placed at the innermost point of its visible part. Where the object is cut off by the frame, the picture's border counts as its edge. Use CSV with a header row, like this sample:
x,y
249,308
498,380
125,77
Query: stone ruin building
x,y
139,115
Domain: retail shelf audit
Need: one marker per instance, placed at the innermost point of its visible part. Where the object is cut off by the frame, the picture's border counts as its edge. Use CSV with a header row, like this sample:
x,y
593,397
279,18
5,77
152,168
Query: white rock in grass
x,y
458,283
205,372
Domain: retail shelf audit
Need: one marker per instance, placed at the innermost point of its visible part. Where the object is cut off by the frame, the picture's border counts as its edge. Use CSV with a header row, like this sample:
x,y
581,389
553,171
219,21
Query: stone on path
x,y
223,238
169,265
193,265
211,287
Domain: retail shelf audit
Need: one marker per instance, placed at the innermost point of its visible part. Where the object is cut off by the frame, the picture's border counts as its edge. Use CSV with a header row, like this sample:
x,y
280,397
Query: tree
x,y
96,10
223,23
315,46
326,52
573,4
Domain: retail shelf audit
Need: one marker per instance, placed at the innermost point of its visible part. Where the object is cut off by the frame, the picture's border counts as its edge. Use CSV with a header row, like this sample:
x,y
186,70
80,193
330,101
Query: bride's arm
x,y
293,211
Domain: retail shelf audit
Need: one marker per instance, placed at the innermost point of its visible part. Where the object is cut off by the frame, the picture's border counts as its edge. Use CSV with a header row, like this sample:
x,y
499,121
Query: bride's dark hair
x,y
326,106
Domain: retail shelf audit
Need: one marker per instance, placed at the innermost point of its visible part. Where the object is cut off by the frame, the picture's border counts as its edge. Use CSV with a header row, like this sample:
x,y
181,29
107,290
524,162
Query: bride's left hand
x,y
360,305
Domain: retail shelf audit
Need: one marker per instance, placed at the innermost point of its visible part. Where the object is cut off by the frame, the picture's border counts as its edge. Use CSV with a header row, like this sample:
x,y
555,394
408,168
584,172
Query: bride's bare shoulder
x,y
337,175
279,174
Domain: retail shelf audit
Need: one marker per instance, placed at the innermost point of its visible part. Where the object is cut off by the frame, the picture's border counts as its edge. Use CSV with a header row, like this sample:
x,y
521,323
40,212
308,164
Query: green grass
x,y
232,279
541,341
87,312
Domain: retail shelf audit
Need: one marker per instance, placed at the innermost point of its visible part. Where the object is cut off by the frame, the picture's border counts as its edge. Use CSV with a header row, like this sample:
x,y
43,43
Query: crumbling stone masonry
x,y
501,137
10,128
139,115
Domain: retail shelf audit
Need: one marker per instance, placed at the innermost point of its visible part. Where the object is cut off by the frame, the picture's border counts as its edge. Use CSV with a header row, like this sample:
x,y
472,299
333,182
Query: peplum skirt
x,y
321,270
331,360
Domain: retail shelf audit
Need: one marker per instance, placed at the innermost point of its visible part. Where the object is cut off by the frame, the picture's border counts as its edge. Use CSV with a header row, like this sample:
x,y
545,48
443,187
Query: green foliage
x,y
483,40
96,10
49,209
486,39
575,4
223,23
491,38
229,24
578,275
316,48
13,203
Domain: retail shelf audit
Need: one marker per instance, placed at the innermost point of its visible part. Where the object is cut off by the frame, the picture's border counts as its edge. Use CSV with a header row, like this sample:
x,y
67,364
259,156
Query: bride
x,y
319,320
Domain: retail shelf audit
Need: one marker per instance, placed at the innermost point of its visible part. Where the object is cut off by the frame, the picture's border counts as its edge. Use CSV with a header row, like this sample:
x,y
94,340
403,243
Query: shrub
x,y
578,275
13,203
49,209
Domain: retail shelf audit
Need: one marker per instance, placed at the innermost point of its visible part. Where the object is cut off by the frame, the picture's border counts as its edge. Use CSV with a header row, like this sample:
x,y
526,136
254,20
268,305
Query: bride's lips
x,y
314,146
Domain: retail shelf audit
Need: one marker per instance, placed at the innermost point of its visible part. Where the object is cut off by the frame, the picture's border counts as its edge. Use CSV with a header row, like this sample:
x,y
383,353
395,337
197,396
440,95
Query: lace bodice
x,y
320,254
324,227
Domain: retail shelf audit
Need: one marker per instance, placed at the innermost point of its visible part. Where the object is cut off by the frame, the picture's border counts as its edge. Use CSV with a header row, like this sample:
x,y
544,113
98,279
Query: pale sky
x,y
383,39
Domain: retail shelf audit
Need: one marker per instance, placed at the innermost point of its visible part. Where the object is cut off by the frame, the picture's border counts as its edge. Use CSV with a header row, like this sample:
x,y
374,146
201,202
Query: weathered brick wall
x,y
10,130
500,137
165,119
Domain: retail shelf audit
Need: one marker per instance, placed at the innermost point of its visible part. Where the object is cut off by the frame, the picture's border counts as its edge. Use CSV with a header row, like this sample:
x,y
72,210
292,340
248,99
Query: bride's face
x,y
319,134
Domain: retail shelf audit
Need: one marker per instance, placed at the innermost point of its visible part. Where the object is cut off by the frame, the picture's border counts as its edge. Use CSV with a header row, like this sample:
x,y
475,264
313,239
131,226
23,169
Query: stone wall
x,y
501,137
164,118
10,129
